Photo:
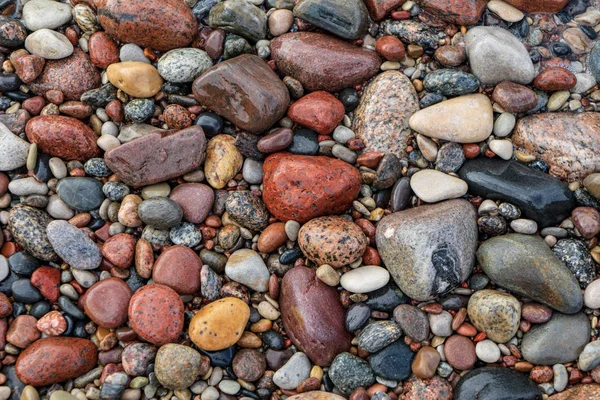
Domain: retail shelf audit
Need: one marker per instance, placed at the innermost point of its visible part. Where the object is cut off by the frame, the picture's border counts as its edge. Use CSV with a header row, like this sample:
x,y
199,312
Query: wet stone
x,y
81,194
576,257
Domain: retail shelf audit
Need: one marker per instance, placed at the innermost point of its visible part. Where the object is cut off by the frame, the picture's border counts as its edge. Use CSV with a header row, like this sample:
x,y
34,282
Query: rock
x,y
106,302
13,33
514,98
275,141
135,78
103,50
451,82
589,357
156,314
539,196
587,221
240,17
378,9
183,65
581,391
496,382
136,162
393,361
64,137
321,62
294,186
455,11
426,362
319,111
305,142
40,14
378,335
539,6
365,279
348,372
195,199
246,266
381,119
413,322
505,11
160,25
49,44
543,344
495,313
347,19
81,194
73,76
451,56
245,91
316,395
177,366
594,61
496,55
247,209
429,250
160,212
432,186
249,365
137,357
452,119
409,31
73,245
460,352
54,360
22,331
536,313
223,161
332,240
28,227
313,316
542,276
434,388
568,141
178,268
295,370
555,78
280,21
13,150
224,319
576,257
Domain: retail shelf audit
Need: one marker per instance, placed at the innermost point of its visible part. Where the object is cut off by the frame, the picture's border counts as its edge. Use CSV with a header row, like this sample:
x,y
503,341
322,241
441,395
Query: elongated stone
x,y
347,19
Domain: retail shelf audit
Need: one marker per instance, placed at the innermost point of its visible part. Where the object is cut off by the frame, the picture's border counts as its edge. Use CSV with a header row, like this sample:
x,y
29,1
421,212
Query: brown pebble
x,y
460,352
426,362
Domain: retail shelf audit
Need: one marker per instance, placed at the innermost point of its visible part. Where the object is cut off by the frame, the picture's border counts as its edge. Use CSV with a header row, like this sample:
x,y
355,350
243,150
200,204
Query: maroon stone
x,y
5,306
103,50
555,78
380,8
178,268
76,109
249,364
539,6
319,111
195,199
119,250
275,141
587,221
513,97
23,331
460,12
47,281
106,302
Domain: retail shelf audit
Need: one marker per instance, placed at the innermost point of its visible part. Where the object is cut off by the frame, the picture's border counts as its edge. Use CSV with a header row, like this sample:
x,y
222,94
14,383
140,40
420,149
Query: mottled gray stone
x,y
160,212
28,227
81,194
183,65
377,335
348,372
73,245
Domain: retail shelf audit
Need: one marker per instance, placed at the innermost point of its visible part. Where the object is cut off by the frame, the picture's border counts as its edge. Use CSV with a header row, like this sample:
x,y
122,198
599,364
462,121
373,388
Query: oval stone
x,y
106,302
495,313
81,194
136,78
73,245
219,324
195,199
496,382
177,366
28,227
365,279
178,268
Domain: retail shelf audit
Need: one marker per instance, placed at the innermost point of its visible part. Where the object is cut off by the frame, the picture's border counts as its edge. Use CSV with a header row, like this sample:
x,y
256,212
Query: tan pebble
x,y
137,79
128,212
328,275
249,340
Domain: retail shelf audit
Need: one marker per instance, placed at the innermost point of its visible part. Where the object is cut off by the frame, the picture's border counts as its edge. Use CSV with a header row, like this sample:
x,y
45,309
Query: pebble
x,y
73,245
589,357
365,279
393,361
48,44
177,366
451,82
460,352
183,65
45,14
247,267
160,212
508,383
106,302
195,200
295,370
348,372
223,161
591,295
432,186
441,324
13,150
425,362
413,322
495,313
247,209
137,79
224,319
280,21
487,351
27,186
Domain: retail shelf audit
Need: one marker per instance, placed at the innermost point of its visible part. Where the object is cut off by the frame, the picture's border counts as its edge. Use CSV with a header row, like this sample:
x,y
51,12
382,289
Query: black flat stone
x,y
25,292
357,316
393,362
81,194
540,197
496,383
221,358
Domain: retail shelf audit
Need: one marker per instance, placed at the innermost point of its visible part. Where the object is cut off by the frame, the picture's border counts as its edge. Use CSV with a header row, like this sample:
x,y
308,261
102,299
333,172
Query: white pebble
x,y
365,279
110,128
524,226
58,167
108,142
504,124
502,148
342,135
432,186
487,351
591,296
210,393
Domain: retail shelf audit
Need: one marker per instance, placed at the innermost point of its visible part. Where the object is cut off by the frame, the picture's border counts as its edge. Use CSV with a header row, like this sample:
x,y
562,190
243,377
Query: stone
x,y
451,82
434,388
555,78
247,267
575,256
452,119
64,137
159,25
432,186
22,331
41,14
543,344
135,78
277,140
393,361
539,196
305,142
321,62
589,357
183,65
48,44
137,357
81,194
495,313
249,364
429,250
280,21
160,212
378,9
240,17
295,370
242,88
592,184
451,56
377,335
332,240
487,351
72,75
27,186
410,31
223,161
13,150
103,50
496,382
348,372
247,209
565,140
177,366
313,316
136,162
348,19
178,268
536,313
539,6
381,119
460,352
391,48
496,55
514,98
505,11
220,324
195,199
28,227
455,11
54,360
413,322
591,295
73,245
294,186
106,302
319,111
581,391
365,279
156,314
542,276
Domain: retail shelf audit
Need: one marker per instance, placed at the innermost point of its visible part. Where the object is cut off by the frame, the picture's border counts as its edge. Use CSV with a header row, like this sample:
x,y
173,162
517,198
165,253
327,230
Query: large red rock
x,y
322,62
56,359
72,76
313,316
64,137
304,187
178,268
158,24
158,156
106,302
539,6
245,91
319,111
460,12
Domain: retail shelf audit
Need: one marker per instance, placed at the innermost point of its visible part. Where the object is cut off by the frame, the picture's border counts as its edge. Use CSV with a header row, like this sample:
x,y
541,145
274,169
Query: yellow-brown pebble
x,y
137,79
219,324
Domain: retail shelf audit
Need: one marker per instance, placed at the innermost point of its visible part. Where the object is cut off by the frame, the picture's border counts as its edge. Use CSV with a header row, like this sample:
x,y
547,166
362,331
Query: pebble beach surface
x,y
299,199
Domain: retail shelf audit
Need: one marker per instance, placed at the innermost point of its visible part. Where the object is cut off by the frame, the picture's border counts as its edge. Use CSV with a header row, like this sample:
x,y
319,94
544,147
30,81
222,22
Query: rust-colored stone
x,y
47,281
272,237
319,111
119,250
106,302
103,50
539,6
555,78
52,324
23,331
460,12
579,392
390,47
178,268
378,9
513,97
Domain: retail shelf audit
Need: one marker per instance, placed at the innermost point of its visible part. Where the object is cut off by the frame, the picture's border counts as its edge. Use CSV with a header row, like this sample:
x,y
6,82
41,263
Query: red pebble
x,y
47,281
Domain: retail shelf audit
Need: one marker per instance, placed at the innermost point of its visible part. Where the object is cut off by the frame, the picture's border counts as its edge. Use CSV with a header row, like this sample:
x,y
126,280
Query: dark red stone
x,y
23,331
539,6
5,306
103,50
380,8
555,79
177,117
390,47
178,268
513,97
106,302
587,221
319,111
27,66
460,12
76,109
249,364
54,360
304,187
119,250
47,281
275,141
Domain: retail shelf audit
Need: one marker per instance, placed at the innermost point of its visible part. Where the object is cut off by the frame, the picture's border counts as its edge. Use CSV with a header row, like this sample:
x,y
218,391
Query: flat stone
x,y
160,212
106,302
378,9
346,19
539,6
451,82
183,65
542,276
432,186
581,391
195,199
589,357
219,324
295,370
28,227
496,382
460,352
73,245
81,194
319,111
377,335
393,361
365,279
413,322
13,150
240,17
410,31
248,268
316,395
514,98
429,250
457,12
495,313
40,14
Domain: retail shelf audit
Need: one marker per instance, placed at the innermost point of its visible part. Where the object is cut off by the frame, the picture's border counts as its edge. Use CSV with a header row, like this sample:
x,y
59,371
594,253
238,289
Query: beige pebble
x,y
108,142
505,11
328,275
280,21
502,148
432,186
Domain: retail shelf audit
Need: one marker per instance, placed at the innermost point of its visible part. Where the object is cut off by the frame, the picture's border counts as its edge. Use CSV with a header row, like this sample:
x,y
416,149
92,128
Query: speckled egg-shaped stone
x,y
219,324
495,313
28,227
332,240
177,366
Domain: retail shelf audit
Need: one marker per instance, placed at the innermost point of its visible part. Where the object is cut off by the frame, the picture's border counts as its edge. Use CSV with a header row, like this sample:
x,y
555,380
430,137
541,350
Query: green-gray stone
x,y
347,19
239,17
524,264
236,46
348,372
451,82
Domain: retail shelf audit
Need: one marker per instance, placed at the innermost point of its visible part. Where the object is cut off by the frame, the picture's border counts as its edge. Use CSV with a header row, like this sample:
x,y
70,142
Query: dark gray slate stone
x,y
496,383
81,194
